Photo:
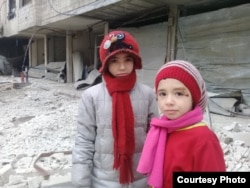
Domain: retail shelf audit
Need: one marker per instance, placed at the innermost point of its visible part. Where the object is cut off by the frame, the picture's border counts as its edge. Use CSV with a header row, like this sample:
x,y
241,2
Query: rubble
x,y
38,127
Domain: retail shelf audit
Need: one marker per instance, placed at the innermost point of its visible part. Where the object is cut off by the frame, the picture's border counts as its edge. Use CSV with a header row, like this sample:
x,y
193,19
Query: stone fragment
x,y
5,173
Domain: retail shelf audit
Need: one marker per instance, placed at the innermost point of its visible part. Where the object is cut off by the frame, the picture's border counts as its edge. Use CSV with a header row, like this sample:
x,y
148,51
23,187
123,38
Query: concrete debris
x,y
38,128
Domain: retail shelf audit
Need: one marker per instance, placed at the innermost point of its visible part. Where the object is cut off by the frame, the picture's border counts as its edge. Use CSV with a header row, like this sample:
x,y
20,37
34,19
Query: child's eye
x,y
129,59
113,61
162,94
179,93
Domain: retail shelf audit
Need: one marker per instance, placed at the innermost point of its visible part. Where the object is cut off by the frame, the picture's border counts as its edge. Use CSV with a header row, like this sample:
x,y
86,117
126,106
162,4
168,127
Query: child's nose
x,y
122,66
169,99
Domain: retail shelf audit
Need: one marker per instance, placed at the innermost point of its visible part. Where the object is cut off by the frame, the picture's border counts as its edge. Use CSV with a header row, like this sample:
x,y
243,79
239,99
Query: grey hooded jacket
x,y
92,156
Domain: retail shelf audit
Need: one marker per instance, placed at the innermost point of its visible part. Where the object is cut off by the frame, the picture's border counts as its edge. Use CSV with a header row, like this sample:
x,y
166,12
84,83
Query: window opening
x,y
12,9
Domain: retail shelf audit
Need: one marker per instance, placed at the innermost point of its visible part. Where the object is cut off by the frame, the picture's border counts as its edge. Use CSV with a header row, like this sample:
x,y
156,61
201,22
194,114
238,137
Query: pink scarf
x,y
152,158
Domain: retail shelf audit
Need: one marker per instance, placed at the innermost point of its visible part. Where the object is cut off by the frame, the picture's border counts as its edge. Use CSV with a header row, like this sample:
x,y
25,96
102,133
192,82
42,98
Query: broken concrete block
x,y
237,127
228,140
5,173
15,179
22,185
58,181
35,182
6,86
239,143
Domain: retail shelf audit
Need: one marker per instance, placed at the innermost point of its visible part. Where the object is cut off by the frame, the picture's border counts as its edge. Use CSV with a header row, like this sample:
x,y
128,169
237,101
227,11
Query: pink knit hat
x,y
119,41
189,75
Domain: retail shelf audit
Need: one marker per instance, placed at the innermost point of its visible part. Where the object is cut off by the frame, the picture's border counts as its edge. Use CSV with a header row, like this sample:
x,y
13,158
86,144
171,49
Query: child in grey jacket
x,y
113,119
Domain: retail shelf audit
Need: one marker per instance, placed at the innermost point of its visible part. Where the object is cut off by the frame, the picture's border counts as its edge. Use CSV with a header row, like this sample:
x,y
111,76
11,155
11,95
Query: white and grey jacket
x,y
92,156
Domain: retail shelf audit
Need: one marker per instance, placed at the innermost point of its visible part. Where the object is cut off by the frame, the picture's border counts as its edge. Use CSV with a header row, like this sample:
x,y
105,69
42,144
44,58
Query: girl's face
x,y
121,64
174,98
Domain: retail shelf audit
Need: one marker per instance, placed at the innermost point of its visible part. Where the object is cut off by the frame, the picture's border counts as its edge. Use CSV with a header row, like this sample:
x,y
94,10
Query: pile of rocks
x,y
38,127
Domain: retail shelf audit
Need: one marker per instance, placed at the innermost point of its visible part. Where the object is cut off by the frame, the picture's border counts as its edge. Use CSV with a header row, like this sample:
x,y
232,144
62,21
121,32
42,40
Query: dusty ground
x,y
40,117
37,117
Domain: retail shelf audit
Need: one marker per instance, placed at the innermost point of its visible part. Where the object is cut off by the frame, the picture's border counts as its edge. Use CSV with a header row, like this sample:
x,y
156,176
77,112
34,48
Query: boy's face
x,y
174,98
121,64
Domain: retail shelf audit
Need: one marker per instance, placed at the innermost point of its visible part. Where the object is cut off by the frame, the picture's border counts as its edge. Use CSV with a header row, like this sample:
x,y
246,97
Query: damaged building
x,y
59,40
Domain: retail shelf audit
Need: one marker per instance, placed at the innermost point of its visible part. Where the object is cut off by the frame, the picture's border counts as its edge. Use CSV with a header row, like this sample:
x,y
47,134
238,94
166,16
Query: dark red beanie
x,y
119,41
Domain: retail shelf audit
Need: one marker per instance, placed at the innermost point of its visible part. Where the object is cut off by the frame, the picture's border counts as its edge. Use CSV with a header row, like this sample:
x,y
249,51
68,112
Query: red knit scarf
x,y
122,124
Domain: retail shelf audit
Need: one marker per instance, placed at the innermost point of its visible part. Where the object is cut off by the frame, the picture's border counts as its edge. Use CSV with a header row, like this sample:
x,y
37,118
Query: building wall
x,y
24,17
83,42
40,51
10,24
27,16
43,12
59,49
56,10
152,40
217,43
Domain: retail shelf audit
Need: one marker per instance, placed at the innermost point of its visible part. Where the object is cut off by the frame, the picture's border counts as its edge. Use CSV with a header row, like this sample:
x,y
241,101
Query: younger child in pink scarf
x,y
179,140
